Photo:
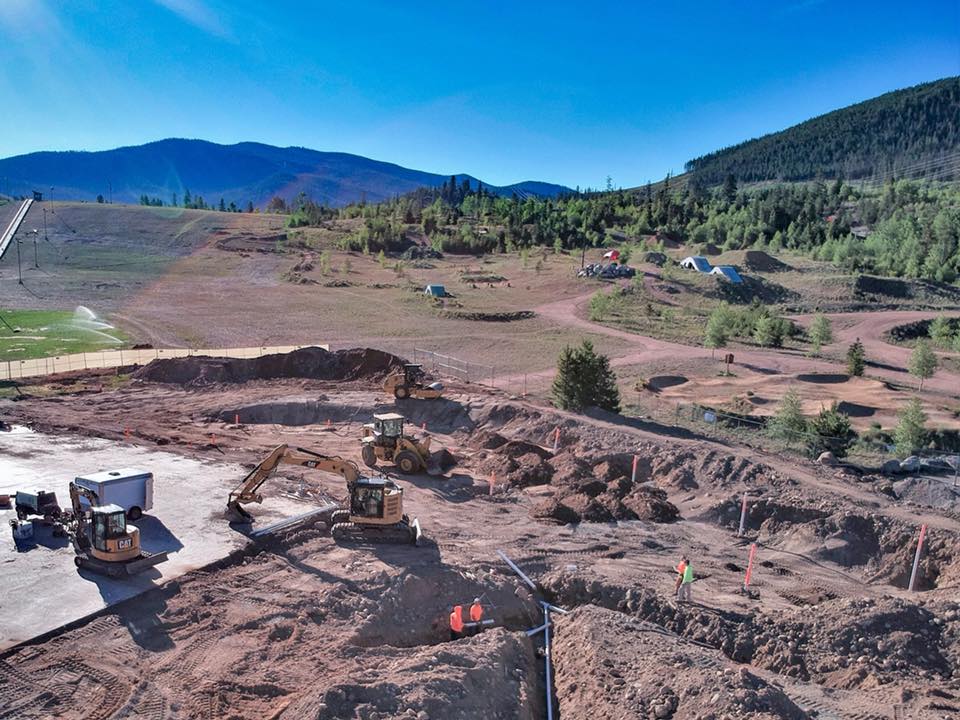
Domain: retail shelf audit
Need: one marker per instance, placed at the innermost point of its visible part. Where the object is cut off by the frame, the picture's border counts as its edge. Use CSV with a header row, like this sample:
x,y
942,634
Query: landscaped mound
x,y
314,363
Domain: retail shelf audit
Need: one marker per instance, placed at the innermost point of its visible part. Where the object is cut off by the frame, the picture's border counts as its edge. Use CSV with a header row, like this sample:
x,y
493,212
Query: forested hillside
x,y
904,228
908,133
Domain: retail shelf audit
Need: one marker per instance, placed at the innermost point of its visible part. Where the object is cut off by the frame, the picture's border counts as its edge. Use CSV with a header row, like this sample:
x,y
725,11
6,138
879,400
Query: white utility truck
x,y
130,489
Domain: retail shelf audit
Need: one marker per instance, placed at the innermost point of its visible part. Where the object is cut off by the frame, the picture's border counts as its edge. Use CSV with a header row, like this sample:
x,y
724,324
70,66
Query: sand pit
x,y
662,382
314,363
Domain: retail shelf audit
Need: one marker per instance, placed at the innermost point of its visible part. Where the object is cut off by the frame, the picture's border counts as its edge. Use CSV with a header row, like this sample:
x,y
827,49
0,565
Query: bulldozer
x,y
408,382
384,440
374,508
102,540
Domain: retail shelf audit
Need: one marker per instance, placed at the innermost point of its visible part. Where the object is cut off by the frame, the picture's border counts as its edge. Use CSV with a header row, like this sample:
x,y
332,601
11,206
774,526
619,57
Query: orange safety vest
x,y
456,619
681,566
476,612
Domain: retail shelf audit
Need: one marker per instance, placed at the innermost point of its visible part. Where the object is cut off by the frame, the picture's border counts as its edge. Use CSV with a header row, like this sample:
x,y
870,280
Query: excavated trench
x,y
441,415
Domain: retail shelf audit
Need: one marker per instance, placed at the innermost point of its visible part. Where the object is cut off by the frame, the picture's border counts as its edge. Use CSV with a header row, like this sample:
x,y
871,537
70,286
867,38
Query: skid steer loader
x,y
384,440
408,382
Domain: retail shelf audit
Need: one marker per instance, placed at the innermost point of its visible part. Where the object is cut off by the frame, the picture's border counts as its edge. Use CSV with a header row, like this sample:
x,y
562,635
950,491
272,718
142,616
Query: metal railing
x,y
440,364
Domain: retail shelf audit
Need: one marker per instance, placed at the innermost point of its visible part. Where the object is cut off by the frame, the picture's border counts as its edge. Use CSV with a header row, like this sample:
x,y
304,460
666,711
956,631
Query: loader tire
x,y
369,456
401,392
407,462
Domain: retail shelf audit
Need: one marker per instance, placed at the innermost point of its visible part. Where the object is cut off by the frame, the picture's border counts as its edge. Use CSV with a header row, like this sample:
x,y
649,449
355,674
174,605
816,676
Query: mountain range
x,y
241,173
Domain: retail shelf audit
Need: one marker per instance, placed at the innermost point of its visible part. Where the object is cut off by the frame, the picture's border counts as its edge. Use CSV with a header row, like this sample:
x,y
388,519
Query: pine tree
x,y
223,206
730,188
186,197
956,342
923,362
717,332
764,332
856,359
911,432
832,431
821,332
940,332
249,206
584,379
788,423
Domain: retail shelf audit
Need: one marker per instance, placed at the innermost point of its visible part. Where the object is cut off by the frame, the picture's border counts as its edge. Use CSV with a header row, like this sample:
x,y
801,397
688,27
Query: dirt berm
x,y
314,363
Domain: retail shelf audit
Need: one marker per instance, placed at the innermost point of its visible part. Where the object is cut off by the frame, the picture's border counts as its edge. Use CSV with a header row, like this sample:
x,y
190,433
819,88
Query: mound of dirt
x,y
594,488
928,492
759,261
314,363
609,665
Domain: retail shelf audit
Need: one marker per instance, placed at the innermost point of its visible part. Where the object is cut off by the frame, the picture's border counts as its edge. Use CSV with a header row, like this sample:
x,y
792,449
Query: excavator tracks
x,y
384,535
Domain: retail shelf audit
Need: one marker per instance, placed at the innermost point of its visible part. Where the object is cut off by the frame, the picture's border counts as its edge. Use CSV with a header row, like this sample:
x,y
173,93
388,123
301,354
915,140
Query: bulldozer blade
x,y
144,562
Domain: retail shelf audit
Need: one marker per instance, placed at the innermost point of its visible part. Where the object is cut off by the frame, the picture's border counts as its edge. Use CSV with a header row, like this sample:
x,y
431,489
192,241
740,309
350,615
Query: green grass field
x,y
26,334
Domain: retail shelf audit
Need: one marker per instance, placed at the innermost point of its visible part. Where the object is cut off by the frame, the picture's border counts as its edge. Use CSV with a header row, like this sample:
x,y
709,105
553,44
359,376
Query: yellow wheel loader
x,y
408,382
383,440
102,540
374,509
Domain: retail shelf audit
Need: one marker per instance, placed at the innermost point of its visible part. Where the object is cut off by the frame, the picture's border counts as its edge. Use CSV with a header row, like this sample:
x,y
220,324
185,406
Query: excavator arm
x,y
248,491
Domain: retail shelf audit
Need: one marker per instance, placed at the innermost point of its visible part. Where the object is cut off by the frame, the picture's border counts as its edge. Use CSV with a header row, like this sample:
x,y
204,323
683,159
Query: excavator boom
x,y
248,491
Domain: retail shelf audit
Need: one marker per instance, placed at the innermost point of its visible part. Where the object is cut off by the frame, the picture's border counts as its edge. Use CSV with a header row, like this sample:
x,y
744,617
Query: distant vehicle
x,y
41,504
130,489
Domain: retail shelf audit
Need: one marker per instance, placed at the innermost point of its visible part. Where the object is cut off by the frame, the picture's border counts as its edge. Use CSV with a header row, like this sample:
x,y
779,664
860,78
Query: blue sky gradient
x,y
560,91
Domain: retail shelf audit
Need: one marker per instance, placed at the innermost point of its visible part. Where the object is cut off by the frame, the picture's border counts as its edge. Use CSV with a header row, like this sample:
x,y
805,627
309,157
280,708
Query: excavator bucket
x,y
236,515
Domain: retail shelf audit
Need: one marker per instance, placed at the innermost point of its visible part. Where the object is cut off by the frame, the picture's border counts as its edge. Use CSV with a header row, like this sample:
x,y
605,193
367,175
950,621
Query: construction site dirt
x,y
596,511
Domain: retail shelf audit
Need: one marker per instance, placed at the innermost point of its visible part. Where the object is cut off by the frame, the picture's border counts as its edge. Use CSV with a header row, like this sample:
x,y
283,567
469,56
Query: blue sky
x,y
507,91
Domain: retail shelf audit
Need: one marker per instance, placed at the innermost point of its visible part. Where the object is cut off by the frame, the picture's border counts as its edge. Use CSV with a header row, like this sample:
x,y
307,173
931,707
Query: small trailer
x,y
131,489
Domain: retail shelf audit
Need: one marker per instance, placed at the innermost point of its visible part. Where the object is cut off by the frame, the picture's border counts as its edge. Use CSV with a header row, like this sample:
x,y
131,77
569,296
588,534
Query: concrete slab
x,y
42,589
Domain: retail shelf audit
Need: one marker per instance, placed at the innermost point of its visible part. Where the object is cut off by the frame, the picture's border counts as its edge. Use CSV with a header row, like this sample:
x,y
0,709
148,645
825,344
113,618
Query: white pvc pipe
x,y
517,570
546,659
743,515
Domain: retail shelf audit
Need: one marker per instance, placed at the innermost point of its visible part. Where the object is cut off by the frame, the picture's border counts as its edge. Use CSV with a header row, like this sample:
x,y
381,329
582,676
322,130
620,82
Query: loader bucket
x,y
440,461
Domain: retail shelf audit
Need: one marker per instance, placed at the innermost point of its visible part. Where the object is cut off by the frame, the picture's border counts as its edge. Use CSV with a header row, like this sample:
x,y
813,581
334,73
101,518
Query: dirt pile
x,y
492,675
312,362
600,489
759,261
608,665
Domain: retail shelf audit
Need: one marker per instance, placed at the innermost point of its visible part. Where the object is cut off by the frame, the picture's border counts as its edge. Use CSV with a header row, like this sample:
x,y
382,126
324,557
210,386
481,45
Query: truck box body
x,y
129,488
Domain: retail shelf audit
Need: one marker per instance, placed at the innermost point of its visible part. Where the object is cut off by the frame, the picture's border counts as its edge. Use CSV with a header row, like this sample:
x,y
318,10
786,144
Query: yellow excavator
x,y
408,382
384,440
102,540
374,509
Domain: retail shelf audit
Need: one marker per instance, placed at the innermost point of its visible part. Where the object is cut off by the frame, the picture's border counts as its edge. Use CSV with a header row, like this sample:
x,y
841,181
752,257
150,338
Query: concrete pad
x,y
43,589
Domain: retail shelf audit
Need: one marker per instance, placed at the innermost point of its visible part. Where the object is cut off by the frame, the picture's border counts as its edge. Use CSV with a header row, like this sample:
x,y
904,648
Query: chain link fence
x,y
16,369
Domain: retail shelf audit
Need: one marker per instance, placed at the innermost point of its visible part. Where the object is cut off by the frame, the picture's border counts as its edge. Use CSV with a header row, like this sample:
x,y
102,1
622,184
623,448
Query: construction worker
x,y
456,622
684,580
476,615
